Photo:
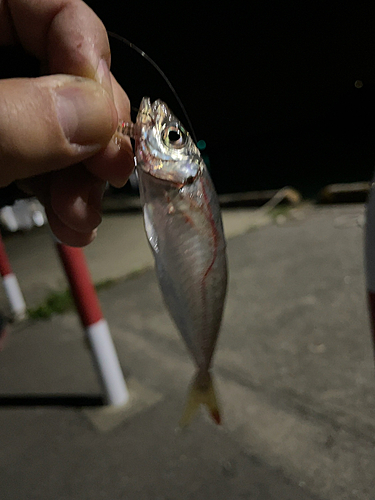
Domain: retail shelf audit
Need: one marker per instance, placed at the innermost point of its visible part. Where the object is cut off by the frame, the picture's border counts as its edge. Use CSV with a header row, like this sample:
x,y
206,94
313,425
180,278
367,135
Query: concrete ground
x,y
120,249
294,369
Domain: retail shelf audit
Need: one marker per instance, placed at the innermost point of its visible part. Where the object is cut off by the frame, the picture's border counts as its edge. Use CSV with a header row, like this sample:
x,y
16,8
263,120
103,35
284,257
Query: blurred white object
x,y
23,215
134,180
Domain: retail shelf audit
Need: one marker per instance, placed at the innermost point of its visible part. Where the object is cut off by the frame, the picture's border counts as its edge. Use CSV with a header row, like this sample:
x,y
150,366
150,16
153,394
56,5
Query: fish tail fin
x,y
201,392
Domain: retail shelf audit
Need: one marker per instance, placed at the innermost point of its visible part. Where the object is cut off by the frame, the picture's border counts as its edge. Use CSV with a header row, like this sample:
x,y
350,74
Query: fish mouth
x,y
145,115
152,113
145,106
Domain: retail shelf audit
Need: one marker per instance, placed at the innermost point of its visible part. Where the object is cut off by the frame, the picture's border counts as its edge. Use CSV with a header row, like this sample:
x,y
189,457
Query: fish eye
x,y
174,136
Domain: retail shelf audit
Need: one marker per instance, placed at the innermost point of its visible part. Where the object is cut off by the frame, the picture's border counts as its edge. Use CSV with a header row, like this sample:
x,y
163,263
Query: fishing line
x,y
161,73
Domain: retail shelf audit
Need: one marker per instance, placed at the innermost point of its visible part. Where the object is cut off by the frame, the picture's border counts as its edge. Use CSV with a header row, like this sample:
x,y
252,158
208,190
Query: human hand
x,y
55,130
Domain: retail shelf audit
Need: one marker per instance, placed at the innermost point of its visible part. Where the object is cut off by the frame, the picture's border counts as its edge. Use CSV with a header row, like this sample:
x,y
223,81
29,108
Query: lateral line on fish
x,y
215,241
214,234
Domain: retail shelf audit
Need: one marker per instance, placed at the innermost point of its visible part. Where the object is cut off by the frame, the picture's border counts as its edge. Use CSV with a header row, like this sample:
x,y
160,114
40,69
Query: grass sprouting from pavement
x,y
280,210
59,302
54,303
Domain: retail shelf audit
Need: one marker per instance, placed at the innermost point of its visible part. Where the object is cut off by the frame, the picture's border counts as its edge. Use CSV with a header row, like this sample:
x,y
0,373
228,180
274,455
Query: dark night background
x,y
270,86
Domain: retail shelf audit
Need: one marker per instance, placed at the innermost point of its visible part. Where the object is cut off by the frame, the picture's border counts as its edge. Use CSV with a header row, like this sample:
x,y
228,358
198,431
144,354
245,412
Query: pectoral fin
x,y
149,227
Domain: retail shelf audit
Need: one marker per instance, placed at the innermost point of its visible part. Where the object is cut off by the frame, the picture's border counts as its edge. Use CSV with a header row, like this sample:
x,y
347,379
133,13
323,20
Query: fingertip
x,y
103,76
113,164
65,234
121,100
116,162
75,198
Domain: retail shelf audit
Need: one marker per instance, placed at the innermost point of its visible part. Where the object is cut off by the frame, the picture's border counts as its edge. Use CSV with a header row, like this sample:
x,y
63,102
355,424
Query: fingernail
x,y
103,76
86,114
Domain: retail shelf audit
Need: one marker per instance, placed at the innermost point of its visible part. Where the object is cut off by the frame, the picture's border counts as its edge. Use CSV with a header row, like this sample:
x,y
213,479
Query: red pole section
x,y
4,261
96,328
11,285
81,286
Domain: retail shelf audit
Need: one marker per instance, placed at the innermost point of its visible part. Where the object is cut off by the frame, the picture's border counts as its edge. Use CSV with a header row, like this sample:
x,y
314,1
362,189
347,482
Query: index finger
x,y
66,35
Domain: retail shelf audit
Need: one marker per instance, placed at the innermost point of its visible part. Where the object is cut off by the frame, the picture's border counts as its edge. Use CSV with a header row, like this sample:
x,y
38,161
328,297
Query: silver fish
x,y
184,228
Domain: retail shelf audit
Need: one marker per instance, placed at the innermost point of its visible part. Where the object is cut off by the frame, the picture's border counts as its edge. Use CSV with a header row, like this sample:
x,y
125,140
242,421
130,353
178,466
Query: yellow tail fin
x,y
201,392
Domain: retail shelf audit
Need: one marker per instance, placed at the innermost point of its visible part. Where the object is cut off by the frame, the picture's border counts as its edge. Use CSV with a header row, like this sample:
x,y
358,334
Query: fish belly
x,y
185,232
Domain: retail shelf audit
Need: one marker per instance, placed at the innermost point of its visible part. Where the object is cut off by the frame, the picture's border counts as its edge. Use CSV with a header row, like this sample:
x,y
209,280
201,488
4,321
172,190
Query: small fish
x,y
184,228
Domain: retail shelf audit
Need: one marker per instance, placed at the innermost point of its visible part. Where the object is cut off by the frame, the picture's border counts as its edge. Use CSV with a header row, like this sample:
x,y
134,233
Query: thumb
x,y
51,122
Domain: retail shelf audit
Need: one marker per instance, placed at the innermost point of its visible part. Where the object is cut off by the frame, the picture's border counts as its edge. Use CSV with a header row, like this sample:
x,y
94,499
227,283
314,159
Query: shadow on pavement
x,y
71,401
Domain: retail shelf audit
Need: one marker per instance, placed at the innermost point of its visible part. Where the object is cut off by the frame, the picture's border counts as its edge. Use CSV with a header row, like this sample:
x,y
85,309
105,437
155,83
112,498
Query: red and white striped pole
x,y
96,327
11,286
370,257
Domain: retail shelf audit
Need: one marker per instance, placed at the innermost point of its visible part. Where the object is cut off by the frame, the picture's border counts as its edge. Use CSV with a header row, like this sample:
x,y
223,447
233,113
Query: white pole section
x,y
96,328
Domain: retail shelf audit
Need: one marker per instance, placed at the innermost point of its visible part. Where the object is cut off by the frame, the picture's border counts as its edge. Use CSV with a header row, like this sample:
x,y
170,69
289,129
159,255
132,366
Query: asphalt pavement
x,y
294,370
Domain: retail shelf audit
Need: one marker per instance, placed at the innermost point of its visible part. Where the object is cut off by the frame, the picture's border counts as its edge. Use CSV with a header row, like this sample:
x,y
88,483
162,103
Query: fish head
x,y
164,149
